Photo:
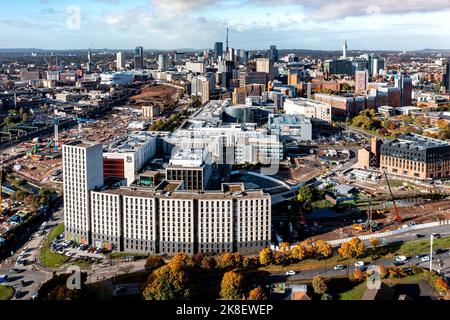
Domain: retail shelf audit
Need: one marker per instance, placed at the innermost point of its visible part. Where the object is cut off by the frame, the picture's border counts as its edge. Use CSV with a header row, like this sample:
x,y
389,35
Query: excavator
x,y
370,224
397,216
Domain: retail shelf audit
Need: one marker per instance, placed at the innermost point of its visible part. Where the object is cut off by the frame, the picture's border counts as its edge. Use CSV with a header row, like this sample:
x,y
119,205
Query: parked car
x,y
339,267
18,294
420,255
15,270
425,258
290,273
401,258
437,235
438,251
398,263
34,297
359,264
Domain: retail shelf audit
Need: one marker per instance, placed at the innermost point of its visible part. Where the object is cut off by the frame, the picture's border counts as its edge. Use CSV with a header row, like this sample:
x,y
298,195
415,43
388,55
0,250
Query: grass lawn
x,y
354,294
82,263
128,254
408,248
322,204
6,292
52,259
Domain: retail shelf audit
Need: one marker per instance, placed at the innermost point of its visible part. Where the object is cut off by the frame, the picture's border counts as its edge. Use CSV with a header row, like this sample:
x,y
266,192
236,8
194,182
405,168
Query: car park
x,y
290,273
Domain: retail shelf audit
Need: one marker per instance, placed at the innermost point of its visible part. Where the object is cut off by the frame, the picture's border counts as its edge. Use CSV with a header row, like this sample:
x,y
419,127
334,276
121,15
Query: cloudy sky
x,y
254,24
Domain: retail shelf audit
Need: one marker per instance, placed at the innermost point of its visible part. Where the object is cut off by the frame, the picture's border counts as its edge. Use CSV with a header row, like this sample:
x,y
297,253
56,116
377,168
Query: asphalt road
x,y
328,270
33,278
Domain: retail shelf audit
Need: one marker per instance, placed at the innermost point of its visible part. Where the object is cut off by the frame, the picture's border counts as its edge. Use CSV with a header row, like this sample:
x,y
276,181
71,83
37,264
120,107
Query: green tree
x,y
319,285
231,286
168,283
305,197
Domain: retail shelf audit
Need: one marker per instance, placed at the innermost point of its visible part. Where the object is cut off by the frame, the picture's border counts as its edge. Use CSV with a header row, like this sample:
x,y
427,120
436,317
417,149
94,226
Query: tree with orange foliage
x,y
265,256
324,248
231,286
352,249
257,294
180,261
358,275
298,252
441,285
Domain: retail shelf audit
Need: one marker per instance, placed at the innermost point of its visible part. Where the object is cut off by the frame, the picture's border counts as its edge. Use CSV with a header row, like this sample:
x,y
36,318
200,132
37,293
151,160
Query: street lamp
x,y
431,252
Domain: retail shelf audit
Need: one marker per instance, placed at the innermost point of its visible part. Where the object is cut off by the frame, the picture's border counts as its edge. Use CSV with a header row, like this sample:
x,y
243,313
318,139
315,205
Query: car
x,y
339,267
35,296
18,294
15,270
401,258
437,235
290,273
420,255
425,258
70,254
418,235
120,290
438,251
359,264
398,263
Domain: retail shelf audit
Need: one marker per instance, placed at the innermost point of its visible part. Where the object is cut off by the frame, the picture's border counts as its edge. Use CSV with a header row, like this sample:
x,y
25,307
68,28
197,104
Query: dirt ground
x,y
159,93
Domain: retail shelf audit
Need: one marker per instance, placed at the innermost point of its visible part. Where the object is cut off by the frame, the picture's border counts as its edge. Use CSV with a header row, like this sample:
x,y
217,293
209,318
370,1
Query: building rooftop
x,y
189,157
82,144
130,142
419,142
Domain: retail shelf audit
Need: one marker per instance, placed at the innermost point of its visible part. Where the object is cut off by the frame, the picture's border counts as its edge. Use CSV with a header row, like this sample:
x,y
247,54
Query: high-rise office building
x,y
89,66
273,53
446,75
265,65
378,65
120,61
218,50
162,62
200,87
338,67
361,81
83,172
405,84
227,73
139,58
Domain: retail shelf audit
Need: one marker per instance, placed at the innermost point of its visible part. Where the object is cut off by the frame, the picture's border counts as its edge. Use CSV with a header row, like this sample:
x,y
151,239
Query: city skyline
x,y
390,25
